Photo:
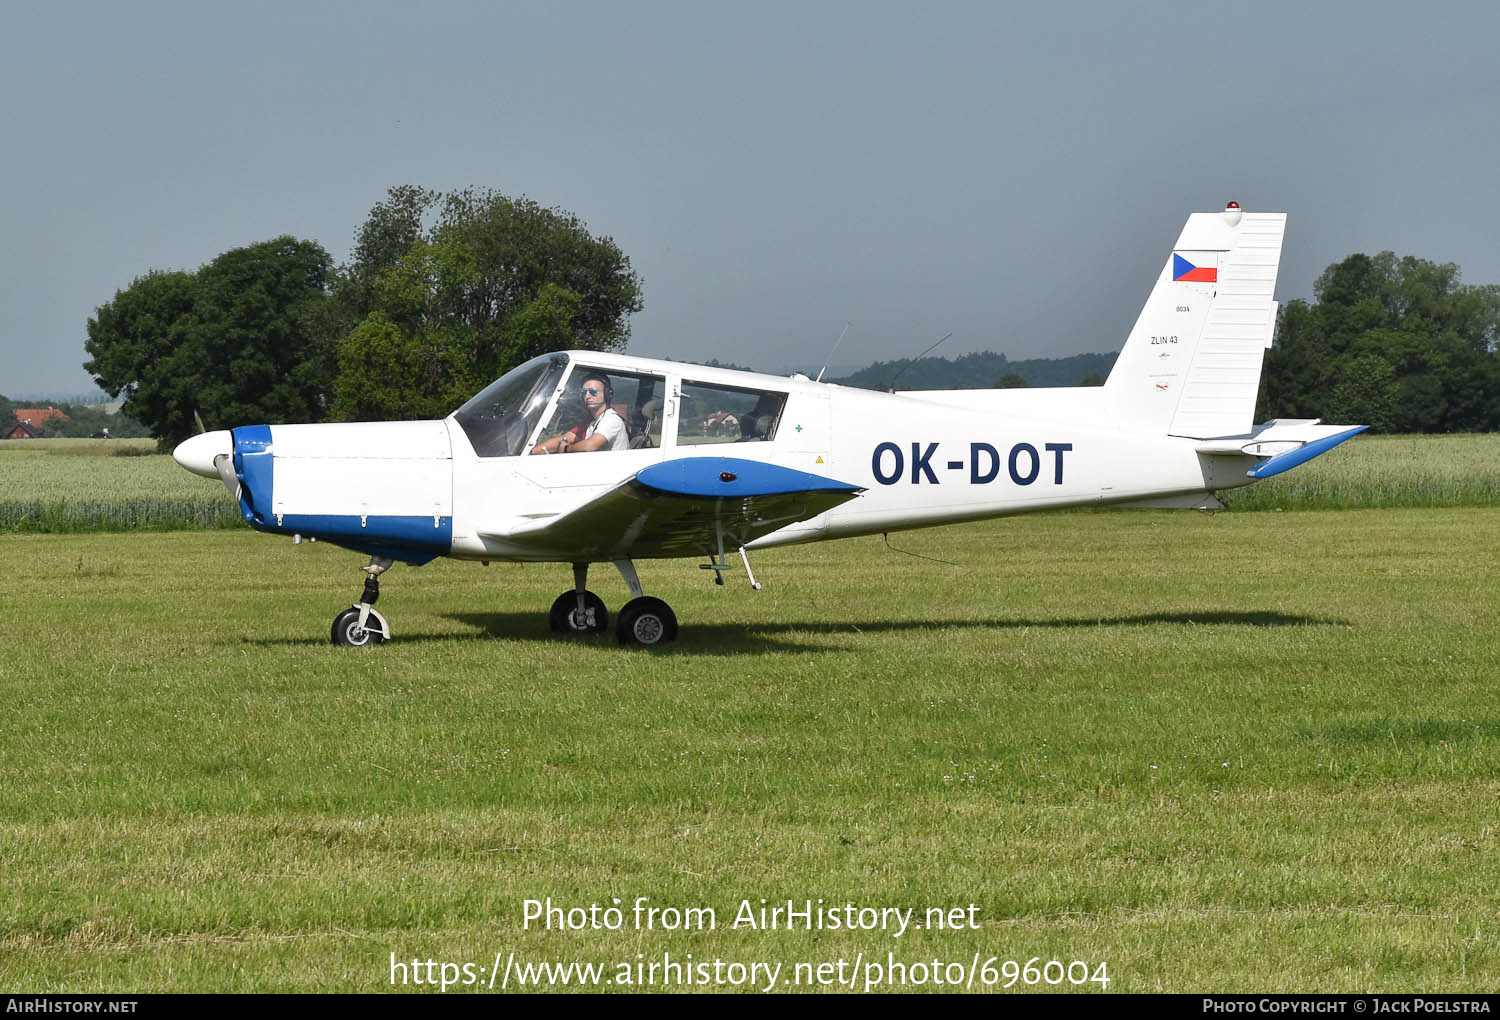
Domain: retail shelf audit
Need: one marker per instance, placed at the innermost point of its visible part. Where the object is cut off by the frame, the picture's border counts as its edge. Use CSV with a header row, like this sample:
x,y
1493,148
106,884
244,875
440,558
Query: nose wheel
x,y
361,625
348,632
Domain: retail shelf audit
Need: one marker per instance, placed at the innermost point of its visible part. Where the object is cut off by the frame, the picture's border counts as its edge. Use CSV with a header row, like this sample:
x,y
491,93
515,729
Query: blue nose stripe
x,y
253,465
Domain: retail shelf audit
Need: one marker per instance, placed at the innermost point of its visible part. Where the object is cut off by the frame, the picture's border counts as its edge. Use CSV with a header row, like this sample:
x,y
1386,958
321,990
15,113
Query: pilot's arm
x,y
597,441
560,444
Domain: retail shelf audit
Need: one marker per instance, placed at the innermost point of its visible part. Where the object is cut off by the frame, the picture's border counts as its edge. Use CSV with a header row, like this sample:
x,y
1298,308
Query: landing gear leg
x,y
579,611
644,620
361,624
718,564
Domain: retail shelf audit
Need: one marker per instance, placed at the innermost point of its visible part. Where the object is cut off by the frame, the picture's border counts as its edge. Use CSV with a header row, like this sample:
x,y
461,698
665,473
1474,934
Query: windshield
x,y
505,412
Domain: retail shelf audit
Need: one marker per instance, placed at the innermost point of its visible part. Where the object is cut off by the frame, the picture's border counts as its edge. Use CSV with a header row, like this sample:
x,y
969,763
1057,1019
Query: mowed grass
x,y
1247,752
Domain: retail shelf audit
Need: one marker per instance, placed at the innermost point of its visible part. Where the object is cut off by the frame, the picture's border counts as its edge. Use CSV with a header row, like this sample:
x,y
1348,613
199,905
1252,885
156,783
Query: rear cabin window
x,y
727,414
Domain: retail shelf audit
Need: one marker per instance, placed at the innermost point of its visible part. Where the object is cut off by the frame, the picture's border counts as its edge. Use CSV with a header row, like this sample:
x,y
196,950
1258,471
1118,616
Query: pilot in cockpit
x,y
602,428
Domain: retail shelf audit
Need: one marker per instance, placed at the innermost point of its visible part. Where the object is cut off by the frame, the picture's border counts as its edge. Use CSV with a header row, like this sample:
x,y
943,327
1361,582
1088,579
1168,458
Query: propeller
x,y
210,454
224,464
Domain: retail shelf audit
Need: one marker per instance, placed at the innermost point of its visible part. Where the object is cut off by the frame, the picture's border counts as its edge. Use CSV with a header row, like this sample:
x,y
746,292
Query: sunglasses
x,y
591,391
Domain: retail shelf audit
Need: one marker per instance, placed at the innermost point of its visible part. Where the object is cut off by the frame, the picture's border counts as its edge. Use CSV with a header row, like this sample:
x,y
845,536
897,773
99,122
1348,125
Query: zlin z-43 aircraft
x,y
581,457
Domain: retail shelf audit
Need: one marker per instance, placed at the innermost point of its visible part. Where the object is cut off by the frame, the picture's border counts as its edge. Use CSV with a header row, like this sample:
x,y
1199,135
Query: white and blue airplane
x,y
678,460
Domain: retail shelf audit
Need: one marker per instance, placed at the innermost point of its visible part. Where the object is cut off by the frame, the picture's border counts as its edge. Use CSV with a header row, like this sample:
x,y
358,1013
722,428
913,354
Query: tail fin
x,y
1191,366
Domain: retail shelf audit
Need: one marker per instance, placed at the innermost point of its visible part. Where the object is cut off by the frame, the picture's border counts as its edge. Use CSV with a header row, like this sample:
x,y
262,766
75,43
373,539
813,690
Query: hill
x,y
979,371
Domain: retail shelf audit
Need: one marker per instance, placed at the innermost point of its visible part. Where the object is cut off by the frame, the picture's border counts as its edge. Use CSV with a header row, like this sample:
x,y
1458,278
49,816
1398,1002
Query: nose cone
x,y
197,454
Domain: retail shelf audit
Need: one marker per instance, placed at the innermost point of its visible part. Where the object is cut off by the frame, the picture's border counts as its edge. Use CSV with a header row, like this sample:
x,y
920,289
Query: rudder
x,y
1191,366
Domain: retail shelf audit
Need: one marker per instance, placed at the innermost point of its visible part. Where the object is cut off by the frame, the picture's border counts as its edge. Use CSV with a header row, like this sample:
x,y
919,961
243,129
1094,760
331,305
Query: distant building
x,y
22,430
37,417
720,422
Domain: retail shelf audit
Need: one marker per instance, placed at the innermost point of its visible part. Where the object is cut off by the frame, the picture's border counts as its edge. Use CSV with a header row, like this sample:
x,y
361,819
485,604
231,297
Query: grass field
x,y
1234,752
76,485
1385,471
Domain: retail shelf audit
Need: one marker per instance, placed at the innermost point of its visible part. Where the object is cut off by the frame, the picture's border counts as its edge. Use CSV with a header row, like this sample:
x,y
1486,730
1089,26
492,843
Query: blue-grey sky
x,y
1014,174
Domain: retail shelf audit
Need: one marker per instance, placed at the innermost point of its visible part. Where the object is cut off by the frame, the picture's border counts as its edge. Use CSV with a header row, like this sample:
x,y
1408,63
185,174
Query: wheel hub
x,y
648,629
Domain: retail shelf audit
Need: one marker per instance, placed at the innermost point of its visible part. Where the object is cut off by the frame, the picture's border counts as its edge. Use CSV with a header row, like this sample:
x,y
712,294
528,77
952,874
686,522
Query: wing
x,y
680,507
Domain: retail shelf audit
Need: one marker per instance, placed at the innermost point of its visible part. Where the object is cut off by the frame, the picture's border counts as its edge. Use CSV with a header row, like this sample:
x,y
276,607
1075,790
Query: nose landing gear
x,y
360,624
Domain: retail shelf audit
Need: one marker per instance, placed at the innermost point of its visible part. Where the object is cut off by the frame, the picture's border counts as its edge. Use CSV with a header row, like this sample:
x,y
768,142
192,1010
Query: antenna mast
x,y
918,358
832,352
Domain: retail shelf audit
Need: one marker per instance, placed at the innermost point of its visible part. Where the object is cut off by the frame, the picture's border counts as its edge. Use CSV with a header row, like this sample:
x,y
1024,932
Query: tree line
x,y
80,420
1400,344
1397,343
442,293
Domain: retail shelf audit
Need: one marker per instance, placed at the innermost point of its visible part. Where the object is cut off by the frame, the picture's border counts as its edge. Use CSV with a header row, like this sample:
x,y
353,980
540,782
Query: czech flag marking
x,y
1184,271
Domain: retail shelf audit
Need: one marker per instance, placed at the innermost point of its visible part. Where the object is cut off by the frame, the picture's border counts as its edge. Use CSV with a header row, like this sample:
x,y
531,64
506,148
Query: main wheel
x,y
646,621
349,634
564,618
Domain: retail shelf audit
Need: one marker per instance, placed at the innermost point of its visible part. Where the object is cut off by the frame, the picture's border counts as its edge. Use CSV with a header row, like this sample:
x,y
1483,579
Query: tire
x,y
563,617
646,622
347,632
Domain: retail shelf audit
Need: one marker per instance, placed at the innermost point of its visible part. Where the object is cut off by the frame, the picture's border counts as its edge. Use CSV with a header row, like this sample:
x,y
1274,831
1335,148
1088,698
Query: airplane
x,y
711,462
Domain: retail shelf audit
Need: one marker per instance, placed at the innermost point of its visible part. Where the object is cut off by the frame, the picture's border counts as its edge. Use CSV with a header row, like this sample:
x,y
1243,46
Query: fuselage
x,y
471,486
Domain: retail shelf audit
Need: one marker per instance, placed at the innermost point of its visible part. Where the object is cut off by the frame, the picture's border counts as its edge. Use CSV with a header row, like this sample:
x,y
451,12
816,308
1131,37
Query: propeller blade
x,y
224,464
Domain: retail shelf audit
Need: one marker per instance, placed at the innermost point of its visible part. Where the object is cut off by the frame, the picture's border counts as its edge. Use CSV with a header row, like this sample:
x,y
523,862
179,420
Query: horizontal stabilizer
x,y
1302,454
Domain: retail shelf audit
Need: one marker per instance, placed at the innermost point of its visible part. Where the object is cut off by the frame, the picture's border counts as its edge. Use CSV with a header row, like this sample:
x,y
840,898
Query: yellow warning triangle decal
x,y
820,460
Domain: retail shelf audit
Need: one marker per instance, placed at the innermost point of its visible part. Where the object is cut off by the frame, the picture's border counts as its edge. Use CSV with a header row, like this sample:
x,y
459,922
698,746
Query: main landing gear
x,y
360,624
642,621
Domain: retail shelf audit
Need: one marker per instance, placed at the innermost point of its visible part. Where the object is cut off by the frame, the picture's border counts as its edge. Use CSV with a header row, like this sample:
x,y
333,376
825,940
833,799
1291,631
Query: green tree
x,y
1365,392
1433,338
246,339
384,373
495,279
139,348
1011,381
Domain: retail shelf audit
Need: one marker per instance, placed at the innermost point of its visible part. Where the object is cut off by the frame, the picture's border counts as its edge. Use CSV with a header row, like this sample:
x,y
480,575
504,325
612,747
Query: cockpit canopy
x,y
504,418
503,414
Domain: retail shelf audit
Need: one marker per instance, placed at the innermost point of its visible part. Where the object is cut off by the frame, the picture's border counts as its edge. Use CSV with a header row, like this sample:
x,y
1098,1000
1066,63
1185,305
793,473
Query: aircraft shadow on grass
x,y
741,638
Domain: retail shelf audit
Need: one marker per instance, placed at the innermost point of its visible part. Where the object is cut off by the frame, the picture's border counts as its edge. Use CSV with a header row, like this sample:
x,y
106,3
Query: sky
x,y
776,172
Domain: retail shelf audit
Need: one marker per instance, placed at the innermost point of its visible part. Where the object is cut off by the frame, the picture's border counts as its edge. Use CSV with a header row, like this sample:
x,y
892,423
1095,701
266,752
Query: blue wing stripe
x,y
732,478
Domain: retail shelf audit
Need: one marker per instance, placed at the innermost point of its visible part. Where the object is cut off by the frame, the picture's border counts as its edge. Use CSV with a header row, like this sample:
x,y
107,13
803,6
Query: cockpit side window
x,y
727,414
638,400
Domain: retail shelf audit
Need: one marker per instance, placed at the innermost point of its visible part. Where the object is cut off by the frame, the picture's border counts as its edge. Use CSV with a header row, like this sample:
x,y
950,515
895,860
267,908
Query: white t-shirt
x,y
612,427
